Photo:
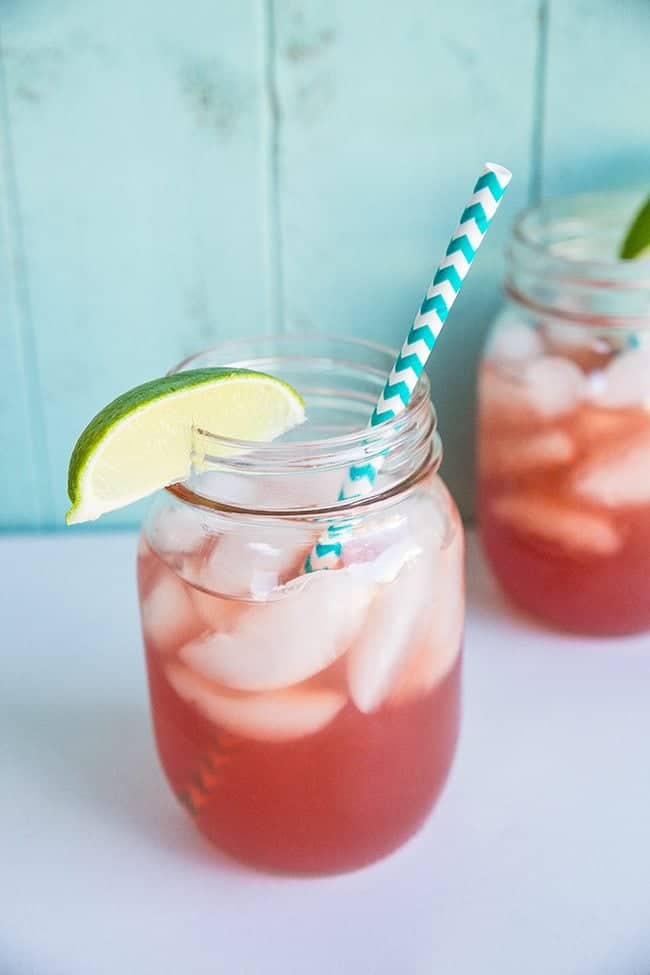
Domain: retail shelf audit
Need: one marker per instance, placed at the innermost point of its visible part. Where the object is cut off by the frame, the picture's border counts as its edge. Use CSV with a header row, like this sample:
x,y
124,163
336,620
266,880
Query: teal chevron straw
x,y
447,281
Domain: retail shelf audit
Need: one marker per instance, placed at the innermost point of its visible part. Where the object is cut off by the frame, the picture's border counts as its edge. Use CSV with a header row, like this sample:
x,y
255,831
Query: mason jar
x,y
564,420
307,721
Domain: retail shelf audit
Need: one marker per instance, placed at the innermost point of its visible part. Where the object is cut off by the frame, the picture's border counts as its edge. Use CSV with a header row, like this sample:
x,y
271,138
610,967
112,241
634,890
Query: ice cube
x,y
270,491
515,340
617,475
523,393
288,639
296,490
497,390
241,490
626,381
439,636
513,456
414,628
395,536
273,716
551,386
386,638
168,614
446,629
558,521
177,529
216,613
369,537
580,343
388,564
423,672
251,563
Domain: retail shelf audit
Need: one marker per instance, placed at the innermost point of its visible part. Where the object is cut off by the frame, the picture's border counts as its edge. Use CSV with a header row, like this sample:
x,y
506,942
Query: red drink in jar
x,y
564,421
307,721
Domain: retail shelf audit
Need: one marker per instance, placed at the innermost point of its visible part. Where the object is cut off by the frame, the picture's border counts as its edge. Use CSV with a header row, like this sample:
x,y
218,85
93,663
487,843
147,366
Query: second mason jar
x,y
564,421
307,721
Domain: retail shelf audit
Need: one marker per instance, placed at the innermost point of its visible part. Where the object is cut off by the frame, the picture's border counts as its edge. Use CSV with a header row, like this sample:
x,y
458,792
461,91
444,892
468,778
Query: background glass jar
x,y
307,722
564,420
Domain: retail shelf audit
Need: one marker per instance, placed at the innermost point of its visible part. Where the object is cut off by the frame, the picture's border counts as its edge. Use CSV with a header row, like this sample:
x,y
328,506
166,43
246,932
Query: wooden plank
x,y
385,118
140,144
596,119
24,480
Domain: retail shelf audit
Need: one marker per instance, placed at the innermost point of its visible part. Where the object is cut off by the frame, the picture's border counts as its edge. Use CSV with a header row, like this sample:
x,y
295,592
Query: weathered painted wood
x,y
141,164
596,117
172,176
386,114
23,495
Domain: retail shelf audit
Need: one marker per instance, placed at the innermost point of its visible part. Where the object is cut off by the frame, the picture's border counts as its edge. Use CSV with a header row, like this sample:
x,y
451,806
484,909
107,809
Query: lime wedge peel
x,y
143,440
637,239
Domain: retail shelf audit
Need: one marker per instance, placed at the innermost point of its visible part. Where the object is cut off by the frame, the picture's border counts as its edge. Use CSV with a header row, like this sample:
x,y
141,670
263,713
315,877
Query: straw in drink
x,y
309,728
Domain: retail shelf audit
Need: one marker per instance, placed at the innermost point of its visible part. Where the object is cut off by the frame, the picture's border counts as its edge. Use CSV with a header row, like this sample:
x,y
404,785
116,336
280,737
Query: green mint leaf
x,y
637,239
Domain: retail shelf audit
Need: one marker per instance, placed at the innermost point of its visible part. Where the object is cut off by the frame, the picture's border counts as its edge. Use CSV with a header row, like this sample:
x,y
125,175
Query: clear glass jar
x,y
307,722
564,420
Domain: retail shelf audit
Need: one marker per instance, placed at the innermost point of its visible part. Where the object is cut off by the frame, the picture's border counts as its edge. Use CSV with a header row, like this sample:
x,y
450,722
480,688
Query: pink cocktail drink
x,y
564,419
308,721
564,483
314,731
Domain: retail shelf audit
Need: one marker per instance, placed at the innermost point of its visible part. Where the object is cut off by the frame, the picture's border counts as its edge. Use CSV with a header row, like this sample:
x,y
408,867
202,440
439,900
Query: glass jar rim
x,y
575,213
416,423
563,264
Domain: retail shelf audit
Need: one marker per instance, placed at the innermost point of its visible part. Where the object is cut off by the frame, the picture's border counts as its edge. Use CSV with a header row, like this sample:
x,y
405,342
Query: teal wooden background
x,y
175,174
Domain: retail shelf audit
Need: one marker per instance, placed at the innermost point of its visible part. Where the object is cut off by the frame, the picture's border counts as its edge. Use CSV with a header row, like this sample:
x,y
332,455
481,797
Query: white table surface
x,y
535,862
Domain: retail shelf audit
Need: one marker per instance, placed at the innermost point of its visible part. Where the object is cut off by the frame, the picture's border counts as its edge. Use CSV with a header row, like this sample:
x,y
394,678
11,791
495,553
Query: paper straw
x,y
452,271
397,392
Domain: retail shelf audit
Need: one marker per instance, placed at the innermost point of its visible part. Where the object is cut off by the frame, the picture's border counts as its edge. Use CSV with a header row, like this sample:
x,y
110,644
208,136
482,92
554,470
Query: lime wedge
x,y
144,439
637,239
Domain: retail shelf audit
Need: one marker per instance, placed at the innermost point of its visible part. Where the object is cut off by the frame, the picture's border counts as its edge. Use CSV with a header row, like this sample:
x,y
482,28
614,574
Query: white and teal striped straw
x,y
452,271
